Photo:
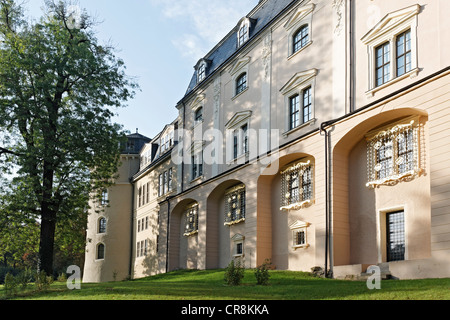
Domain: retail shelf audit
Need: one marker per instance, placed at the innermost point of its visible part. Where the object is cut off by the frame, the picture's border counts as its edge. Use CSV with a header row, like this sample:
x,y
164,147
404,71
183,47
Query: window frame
x,y
235,205
97,251
299,84
241,83
389,29
298,37
102,225
191,215
392,166
302,198
296,228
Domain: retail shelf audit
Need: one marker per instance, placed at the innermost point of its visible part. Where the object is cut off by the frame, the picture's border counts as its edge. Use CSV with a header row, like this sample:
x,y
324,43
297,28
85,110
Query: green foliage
x,y
42,281
10,284
58,90
262,273
234,273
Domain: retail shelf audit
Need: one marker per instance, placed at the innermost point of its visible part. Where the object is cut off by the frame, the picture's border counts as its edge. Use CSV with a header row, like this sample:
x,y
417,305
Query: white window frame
x,y
302,16
386,31
391,131
244,24
296,85
233,127
238,239
299,226
297,166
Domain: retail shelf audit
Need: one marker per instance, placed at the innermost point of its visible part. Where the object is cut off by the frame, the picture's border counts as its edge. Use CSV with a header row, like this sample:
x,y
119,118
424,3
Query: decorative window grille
x,y
296,186
393,155
235,205
191,214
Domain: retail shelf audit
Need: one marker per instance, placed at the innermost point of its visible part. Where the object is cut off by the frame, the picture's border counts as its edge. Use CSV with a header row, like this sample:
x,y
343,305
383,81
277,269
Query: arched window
x,y
241,83
101,251
301,38
102,225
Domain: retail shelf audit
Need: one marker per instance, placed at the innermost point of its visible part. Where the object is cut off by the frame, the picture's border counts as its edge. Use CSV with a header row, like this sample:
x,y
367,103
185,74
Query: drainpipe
x,y
167,233
130,267
328,232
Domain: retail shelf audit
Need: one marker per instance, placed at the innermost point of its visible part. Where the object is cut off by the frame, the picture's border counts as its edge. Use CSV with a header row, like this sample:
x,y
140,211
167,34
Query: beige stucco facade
x,y
240,203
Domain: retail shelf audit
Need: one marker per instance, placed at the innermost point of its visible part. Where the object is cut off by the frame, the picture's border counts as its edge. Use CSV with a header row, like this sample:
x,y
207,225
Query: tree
x,y
58,89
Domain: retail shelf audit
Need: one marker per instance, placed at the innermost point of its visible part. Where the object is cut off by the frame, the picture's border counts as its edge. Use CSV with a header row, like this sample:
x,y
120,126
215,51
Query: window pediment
x,y
298,15
299,224
238,118
390,22
239,64
298,79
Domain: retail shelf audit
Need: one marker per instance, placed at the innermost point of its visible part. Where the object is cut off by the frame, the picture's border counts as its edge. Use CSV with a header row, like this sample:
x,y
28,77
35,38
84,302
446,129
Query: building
x,y
314,135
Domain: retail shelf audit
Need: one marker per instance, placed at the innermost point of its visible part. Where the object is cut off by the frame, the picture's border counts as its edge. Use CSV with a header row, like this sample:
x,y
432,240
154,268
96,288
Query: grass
x,y
210,285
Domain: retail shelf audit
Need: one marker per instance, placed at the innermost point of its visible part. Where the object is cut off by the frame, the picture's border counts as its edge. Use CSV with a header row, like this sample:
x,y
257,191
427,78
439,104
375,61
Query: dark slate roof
x,y
135,142
228,46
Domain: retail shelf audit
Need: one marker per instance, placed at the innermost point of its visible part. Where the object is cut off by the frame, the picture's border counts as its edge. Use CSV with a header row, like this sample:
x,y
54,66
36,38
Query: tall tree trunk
x,y
47,242
48,220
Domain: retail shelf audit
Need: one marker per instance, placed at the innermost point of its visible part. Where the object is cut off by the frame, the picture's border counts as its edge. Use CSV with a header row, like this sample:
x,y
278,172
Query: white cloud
x,y
206,21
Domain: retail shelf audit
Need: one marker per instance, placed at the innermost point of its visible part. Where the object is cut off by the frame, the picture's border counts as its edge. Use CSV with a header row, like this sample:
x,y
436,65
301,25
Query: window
x,y
299,234
102,225
307,105
393,153
301,38
191,214
296,186
238,245
294,107
235,205
238,135
241,83
201,72
169,181
100,251
240,141
243,34
299,99
165,182
104,200
383,64
403,53
395,232
391,46
161,185
306,109
197,165
142,248
198,116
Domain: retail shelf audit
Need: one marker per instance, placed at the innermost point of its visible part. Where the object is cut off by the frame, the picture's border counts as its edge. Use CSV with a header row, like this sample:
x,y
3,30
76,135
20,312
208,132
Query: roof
x,y
262,15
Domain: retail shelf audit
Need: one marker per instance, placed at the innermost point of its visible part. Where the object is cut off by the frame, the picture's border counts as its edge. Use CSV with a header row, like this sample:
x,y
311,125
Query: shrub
x,y
10,284
234,273
43,281
262,273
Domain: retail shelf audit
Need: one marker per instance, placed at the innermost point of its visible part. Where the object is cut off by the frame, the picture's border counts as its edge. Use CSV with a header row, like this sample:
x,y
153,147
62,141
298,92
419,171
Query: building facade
x,y
313,135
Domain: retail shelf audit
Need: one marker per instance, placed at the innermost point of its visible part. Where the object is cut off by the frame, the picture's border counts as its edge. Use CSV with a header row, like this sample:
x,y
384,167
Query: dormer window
x,y
201,68
201,73
243,33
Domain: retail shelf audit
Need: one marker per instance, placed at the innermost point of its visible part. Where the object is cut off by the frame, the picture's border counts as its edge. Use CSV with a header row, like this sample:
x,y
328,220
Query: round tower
x,y
109,228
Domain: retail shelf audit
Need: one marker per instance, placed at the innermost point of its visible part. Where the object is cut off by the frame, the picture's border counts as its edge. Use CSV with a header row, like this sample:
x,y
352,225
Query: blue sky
x,y
160,42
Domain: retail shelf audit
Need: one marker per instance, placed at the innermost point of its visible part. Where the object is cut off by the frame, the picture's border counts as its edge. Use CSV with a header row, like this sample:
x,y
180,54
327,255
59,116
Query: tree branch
x,y
6,151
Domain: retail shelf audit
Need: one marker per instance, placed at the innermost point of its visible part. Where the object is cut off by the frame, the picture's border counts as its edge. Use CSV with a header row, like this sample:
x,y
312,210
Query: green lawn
x,y
210,285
